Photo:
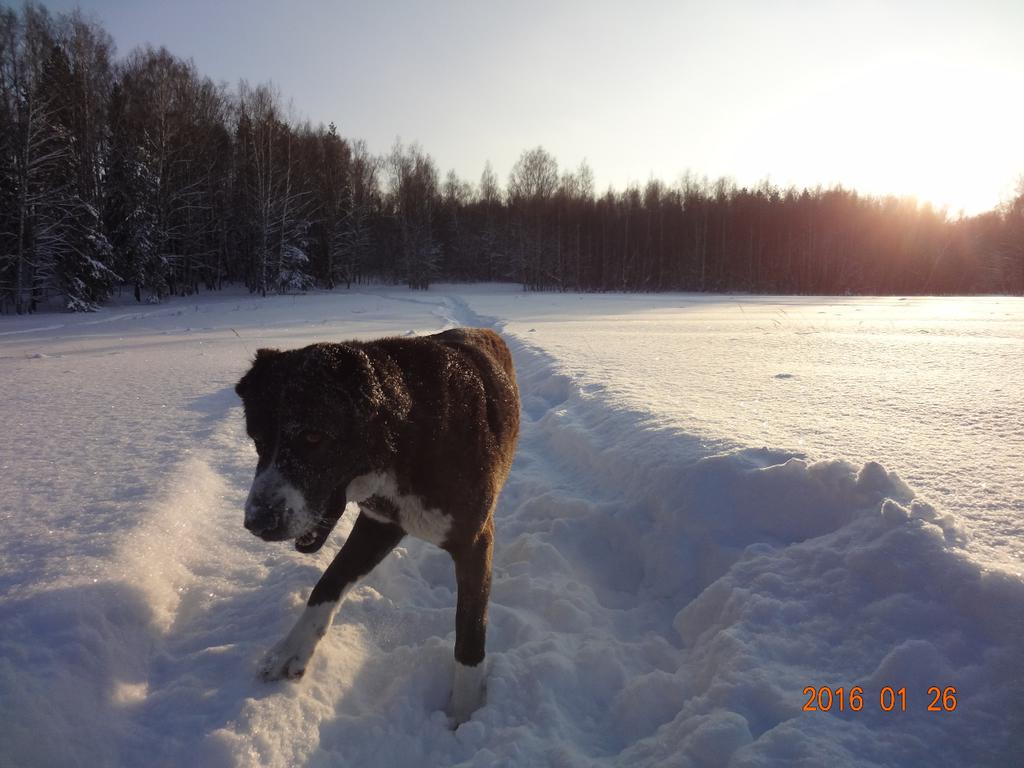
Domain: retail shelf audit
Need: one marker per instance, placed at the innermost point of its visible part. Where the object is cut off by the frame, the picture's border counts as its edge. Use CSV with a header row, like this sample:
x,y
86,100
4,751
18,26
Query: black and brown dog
x,y
420,433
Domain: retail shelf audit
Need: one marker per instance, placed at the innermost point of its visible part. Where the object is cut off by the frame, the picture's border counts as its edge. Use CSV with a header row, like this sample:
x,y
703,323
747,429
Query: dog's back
x,y
455,446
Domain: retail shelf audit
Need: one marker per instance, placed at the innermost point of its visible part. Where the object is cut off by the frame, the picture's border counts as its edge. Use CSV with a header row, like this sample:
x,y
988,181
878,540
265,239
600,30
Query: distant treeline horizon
x,y
139,173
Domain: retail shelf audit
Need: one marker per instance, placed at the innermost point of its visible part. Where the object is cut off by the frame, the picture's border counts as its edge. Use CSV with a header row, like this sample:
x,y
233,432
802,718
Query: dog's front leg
x,y
473,574
367,545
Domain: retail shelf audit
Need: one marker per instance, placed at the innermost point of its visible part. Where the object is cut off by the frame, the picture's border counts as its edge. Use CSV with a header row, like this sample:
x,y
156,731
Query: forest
x,y
140,175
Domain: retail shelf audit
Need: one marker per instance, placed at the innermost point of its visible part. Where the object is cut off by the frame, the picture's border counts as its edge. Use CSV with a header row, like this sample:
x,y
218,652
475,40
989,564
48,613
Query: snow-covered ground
x,y
704,519
930,387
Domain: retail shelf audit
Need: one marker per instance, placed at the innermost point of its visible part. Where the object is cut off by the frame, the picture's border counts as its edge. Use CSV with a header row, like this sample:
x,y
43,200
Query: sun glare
x,y
905,126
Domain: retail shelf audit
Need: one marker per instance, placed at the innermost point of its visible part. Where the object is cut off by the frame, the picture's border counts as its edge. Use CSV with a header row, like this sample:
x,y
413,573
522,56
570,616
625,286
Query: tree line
x,y
140,174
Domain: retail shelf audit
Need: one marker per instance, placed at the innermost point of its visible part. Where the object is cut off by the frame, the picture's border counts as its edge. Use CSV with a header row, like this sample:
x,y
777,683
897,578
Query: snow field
x,y
776,573
659,598
929,387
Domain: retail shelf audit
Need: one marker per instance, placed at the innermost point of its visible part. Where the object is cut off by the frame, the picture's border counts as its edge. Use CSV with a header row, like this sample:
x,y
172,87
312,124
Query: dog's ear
x,y
260,366
265,354
371,397
373,388
368,397
376,388
384,392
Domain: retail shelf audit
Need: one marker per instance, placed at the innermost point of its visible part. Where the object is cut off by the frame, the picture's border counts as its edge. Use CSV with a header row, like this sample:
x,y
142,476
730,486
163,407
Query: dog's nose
x,y
260,518
260,524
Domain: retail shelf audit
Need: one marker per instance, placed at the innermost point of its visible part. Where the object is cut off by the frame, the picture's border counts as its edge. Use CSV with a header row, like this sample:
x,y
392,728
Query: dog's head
x,y
312,414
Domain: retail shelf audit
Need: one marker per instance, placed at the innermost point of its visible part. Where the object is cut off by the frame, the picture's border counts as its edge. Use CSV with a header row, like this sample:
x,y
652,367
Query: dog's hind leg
x,y
473,574
368,544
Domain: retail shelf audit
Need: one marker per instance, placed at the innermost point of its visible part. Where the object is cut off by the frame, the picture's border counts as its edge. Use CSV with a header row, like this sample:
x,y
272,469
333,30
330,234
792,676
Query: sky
x,y
906,98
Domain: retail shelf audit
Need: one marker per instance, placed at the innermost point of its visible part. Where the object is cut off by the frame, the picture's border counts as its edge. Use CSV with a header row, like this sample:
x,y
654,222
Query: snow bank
x,y
75,657
930,387
778,574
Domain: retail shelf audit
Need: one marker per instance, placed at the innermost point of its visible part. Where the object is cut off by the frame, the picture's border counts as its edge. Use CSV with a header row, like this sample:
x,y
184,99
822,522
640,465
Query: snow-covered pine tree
x,y
293,270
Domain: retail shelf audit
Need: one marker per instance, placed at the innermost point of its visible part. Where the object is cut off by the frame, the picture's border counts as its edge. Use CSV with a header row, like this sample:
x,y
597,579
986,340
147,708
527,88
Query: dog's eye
x,y
313,438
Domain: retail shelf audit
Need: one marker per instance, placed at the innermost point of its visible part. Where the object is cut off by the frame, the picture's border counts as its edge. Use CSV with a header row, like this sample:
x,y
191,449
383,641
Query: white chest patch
x,y
416,519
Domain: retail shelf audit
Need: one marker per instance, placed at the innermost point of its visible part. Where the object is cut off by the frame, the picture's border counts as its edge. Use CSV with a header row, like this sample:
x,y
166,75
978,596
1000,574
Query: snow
x,y
717,502
928,386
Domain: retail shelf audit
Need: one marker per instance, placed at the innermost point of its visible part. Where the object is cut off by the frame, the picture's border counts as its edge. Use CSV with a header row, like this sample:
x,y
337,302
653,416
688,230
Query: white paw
x,y
285,661
289,658
467,693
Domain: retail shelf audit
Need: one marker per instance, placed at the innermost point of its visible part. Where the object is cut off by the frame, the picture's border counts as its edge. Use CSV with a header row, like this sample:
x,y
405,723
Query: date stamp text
x,y
889,699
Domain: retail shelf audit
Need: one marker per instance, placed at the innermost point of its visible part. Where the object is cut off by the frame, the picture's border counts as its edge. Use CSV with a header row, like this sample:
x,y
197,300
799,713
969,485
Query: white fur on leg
x,y
467,691
288,659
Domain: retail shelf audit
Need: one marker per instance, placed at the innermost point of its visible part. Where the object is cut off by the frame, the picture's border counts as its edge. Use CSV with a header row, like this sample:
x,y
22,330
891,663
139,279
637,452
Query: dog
x,y
420,433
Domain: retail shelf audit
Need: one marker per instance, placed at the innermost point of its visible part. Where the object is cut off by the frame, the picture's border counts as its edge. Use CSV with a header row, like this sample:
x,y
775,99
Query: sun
x,y
905,125
926,135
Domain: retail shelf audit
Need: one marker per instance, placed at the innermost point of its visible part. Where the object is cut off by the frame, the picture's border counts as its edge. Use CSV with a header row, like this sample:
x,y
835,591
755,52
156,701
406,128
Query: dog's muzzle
x,y
276,509
268,521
